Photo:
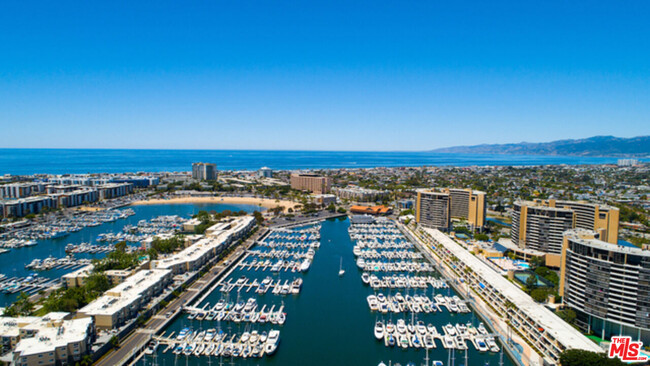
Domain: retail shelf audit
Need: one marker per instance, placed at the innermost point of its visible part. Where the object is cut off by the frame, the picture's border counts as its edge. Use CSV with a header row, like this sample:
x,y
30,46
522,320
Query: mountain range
x,y
593,146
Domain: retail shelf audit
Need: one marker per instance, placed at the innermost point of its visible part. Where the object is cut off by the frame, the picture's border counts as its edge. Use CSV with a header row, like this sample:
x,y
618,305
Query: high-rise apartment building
x,y
435,209
540,225
204,171
311,182
608,285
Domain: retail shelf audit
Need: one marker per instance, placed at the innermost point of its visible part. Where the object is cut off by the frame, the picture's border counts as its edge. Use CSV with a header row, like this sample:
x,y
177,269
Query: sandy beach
x,y
264,202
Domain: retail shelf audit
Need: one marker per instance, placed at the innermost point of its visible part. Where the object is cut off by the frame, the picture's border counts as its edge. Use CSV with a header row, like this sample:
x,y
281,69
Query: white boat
x,y
304,266
379,330
365,277
272,342
341,270
151,348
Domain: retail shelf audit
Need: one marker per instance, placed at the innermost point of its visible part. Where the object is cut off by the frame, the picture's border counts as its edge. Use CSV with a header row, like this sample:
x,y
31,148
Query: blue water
x,y
329,322
12,264
78,161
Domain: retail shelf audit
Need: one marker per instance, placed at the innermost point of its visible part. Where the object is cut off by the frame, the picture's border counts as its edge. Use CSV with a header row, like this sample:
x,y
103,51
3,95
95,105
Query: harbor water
x,y
12,263
328,322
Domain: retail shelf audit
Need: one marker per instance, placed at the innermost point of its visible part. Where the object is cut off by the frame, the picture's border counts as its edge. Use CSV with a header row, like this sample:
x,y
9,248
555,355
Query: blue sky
x,y
334,75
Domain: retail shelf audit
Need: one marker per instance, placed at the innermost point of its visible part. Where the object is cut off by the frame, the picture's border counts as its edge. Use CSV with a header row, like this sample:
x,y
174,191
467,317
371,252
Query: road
x,y
135,341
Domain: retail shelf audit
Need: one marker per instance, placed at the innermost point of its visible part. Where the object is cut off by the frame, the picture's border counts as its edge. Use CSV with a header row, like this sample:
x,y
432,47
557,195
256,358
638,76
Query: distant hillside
x,y
593,146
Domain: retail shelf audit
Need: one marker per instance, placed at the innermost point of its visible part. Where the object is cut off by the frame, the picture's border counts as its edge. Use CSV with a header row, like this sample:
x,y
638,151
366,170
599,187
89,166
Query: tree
x,y
539,294
576,357
481,237
531,282
536,262
568,315
259,218
86,360
114,341
331,207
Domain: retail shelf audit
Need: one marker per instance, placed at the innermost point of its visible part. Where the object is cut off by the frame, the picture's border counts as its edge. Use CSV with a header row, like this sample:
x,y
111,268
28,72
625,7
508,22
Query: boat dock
x,y
419,335
30,284
213,342
57,263
261,287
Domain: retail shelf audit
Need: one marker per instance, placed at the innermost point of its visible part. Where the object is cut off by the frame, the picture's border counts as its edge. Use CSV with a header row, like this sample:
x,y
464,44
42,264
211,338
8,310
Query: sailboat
x,y
341,270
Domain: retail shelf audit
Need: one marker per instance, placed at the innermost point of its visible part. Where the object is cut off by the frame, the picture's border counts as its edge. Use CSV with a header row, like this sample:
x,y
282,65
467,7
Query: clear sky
x,y
331,75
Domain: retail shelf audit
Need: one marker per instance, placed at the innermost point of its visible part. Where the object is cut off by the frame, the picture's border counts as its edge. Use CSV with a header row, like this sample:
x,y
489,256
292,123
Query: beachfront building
x,y
114,190
608,285
204,171
124,301
25,206
47,340
540,327
265,172
540,225
21,190
436,208
311,182
76,198
358,194
218,238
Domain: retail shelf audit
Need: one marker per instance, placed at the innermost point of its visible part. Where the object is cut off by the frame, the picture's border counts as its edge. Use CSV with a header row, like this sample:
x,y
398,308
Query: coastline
x,y
264,202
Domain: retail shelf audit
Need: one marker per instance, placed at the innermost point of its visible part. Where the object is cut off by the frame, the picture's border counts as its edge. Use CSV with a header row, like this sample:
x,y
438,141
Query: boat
x,y
341,270
272,342
151,347
304,266
365,277
379,330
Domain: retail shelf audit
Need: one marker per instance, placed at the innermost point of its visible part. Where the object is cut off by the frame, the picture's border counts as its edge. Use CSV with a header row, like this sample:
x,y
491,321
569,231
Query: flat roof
x,y
552,324
126,293
218,234
581,236
508,244
51,336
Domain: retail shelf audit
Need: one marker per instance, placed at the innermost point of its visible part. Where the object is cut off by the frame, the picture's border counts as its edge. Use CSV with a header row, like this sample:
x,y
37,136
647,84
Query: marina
x,y
329,320
82,243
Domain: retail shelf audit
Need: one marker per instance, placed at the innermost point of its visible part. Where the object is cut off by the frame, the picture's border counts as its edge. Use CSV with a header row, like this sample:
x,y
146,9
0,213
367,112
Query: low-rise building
x,y
218,238
47,340
358,194
125,300
549,334
371,210
114,190
25,206
324,199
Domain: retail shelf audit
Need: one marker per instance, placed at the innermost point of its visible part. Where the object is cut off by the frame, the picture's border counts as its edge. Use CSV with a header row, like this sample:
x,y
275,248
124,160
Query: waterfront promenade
x,y
134,343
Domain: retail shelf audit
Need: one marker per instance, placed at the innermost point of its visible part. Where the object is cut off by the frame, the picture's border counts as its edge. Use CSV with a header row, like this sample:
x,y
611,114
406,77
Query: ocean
x,y
80,161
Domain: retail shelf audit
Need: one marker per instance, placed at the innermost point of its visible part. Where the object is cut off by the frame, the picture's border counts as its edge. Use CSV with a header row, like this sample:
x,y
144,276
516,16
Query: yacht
x,y
304,266
151,348
272,342
365,277
379,330
341,270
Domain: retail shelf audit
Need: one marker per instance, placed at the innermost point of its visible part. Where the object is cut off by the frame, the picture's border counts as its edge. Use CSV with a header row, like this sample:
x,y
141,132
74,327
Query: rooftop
x,y
544,318
52,334
126,293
